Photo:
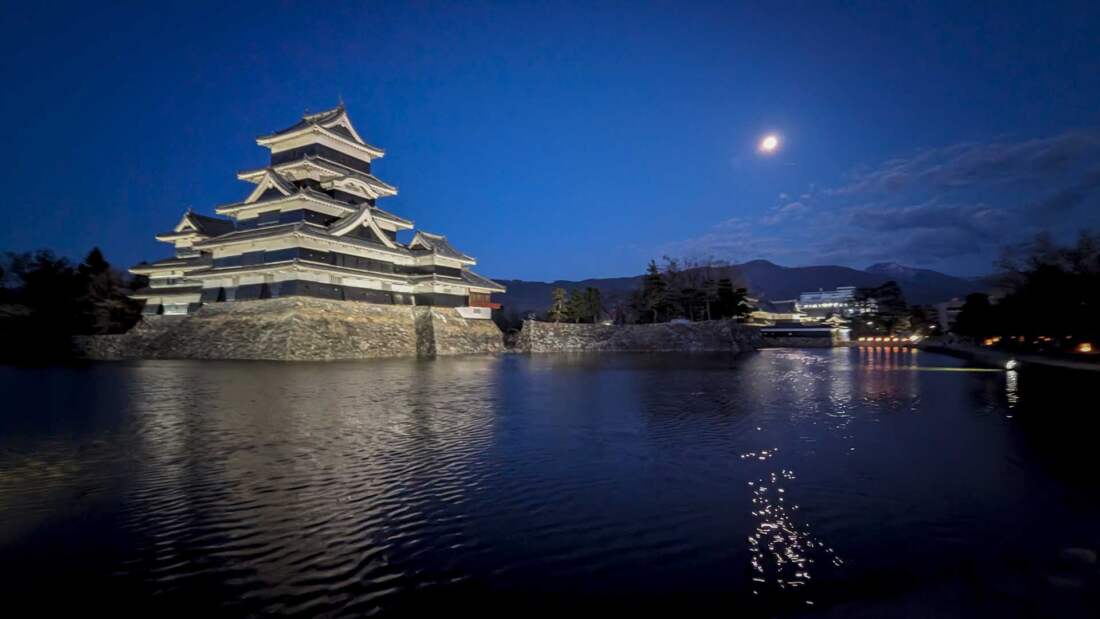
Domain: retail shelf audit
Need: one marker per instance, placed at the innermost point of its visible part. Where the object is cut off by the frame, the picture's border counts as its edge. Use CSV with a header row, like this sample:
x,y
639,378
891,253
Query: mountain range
x,y
767,281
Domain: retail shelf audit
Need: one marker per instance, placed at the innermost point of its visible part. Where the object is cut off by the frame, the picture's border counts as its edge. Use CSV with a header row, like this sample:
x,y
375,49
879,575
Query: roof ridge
x,y
440,245
318,121
209,225
329,112
349,217
200,215
389,214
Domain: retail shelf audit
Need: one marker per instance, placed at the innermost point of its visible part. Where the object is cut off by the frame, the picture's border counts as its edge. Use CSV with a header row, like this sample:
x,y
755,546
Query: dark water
x,y
832,483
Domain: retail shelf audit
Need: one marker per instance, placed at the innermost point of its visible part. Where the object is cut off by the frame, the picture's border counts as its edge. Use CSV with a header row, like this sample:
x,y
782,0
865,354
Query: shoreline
x,y
998,358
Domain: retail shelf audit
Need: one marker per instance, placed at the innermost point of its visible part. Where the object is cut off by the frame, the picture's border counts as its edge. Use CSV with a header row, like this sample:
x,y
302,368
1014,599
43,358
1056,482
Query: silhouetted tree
x,y
977,318
46,301
653,297
559,309
593,302
891,313
40,317
102,305
689,288
576,305
710,297
1053,291
920,322
732,302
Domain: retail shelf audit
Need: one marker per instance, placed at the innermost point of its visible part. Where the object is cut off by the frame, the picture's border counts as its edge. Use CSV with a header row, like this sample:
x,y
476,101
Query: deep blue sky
x,y
560,140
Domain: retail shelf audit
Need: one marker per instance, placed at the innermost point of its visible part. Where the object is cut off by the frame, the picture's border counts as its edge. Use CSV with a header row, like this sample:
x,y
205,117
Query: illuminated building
x,y
311,227
845,301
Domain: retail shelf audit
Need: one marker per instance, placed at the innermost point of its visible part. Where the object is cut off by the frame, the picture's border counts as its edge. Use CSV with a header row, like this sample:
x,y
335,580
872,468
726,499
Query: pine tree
x,y
653,300
48,286
710,297
977,317
101,304
741,306
732,302
891,313
727,298
558,311
593,303
578,306
677,302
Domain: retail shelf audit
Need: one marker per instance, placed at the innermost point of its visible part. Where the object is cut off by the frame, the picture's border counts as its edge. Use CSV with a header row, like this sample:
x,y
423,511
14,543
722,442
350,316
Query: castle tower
x,y
311,227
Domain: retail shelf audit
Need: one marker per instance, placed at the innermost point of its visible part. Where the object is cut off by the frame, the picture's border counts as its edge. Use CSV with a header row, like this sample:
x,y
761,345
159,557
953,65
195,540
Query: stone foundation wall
x,y
454,335
711,335
298,329
142,337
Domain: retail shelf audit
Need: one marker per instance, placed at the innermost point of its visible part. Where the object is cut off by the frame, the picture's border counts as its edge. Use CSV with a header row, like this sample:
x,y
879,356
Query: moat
x,y
833,482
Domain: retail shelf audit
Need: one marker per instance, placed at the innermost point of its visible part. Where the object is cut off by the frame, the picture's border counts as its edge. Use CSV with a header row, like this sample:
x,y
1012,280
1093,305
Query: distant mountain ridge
x,y
765,280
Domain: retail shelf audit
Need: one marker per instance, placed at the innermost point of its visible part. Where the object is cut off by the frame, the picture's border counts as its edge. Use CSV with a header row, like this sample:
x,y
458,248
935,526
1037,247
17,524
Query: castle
x,y
311,227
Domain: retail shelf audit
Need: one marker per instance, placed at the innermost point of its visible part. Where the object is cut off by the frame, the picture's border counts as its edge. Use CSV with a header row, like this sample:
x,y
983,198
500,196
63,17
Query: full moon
x,y
769,144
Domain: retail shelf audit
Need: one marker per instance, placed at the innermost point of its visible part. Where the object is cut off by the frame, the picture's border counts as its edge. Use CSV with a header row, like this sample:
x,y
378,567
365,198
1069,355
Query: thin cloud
x,y
969,164
936,207
979,219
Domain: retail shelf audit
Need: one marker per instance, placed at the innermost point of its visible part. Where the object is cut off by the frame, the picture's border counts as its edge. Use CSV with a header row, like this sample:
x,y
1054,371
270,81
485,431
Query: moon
x,y
769,144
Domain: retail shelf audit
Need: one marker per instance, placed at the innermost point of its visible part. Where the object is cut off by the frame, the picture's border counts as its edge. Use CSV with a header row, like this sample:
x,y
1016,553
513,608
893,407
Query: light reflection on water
x,y
782,550
1012,388
348,489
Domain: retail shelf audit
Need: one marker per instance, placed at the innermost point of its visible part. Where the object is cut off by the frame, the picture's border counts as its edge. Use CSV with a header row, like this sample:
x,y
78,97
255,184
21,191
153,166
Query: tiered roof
x,y
321,164
334,123
307,193
477,280
298,227
193,224
192,263
327,117
306,179
438,244
210,226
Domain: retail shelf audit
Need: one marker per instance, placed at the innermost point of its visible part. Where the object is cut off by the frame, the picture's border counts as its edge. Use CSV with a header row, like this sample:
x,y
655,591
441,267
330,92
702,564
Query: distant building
x,y
770,312
845,301
310,227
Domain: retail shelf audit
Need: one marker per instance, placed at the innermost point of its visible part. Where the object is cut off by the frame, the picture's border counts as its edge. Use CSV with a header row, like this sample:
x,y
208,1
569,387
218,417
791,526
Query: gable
x,y
185,224
270,186
341,125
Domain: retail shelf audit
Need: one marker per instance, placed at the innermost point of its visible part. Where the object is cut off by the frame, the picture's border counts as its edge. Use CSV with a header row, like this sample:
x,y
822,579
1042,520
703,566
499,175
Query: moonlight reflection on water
x,y
847,481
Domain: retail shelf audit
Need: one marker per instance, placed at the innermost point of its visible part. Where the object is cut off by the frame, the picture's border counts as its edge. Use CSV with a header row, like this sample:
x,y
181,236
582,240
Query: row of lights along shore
x,y
889,340
1081,347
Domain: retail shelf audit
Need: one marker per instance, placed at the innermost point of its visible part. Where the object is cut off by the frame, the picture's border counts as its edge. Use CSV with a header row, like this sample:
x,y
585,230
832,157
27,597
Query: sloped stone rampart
x,y
298,329
706,336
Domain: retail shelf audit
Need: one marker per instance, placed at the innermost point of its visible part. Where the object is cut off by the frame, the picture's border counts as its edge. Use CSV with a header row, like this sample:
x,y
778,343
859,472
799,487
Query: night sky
x,y
557,140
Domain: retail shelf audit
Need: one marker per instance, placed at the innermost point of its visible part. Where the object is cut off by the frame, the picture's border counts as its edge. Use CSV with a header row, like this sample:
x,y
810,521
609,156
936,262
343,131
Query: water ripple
x,y
391,487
